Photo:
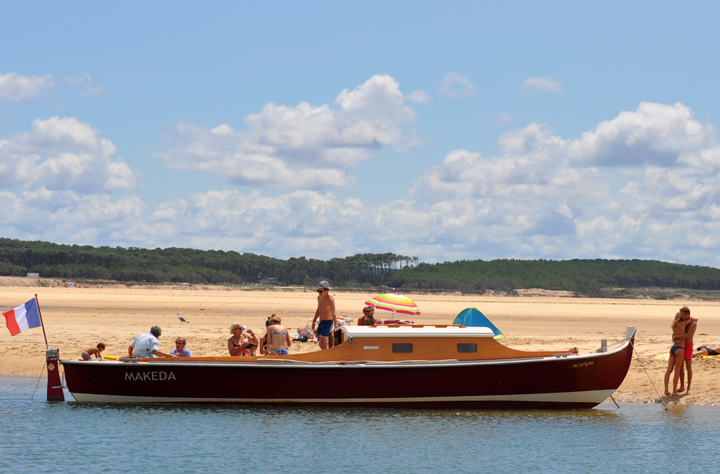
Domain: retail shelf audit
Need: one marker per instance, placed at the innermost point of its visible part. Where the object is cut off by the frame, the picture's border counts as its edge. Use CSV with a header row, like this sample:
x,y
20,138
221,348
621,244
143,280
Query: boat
x,y
408,366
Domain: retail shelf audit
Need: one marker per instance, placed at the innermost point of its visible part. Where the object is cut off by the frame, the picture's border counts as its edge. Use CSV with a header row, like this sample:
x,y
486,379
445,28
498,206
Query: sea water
x,y
41,436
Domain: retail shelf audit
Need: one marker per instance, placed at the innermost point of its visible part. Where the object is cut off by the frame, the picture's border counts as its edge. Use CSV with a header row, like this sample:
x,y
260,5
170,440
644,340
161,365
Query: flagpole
x,y
47,346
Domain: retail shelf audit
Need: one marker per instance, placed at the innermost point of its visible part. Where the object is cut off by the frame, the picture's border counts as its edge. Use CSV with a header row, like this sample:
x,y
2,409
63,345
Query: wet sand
x,y
79,318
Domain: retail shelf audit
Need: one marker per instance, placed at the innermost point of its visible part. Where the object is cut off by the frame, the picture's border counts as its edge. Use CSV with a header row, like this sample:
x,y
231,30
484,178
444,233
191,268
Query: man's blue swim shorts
x,y
324,327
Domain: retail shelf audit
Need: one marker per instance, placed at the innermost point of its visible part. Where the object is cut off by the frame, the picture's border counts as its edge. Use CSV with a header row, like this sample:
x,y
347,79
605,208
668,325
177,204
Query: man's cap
x,y
324,285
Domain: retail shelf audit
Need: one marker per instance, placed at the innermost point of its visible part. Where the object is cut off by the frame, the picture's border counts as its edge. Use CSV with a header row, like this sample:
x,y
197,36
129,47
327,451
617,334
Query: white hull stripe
x,y
591,396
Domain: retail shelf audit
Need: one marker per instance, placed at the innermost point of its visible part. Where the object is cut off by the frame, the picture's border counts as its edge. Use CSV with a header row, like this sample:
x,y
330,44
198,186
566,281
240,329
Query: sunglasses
x,y
366,311
181,343
320,290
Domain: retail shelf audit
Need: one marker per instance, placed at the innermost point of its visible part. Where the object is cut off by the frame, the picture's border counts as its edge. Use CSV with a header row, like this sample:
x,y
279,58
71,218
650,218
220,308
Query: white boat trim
x,y
592,396
410,331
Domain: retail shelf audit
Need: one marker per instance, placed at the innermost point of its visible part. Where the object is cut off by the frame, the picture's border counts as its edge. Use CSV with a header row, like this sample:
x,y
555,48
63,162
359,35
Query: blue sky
x,y
442,130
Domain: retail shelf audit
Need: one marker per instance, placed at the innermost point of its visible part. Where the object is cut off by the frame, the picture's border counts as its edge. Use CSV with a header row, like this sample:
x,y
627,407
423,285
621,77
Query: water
x,y
37,436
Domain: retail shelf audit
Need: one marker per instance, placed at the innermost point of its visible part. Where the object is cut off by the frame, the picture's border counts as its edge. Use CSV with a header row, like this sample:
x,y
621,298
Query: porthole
x,y
467,347
405,348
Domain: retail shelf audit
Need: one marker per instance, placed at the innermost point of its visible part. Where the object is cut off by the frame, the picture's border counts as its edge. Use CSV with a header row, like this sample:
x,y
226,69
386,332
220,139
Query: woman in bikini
x,y
279,339
240,344
677,353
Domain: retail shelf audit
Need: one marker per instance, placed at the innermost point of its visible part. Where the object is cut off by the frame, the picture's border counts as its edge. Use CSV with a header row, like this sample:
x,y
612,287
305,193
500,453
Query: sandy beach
x,y
77,318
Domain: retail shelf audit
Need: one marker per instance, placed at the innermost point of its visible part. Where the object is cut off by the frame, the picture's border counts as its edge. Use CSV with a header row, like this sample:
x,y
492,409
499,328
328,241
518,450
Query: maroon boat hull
x,y
558,382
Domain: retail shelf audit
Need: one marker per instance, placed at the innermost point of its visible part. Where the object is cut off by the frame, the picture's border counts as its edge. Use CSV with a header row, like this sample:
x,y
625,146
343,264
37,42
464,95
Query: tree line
x,y
582,276
182,265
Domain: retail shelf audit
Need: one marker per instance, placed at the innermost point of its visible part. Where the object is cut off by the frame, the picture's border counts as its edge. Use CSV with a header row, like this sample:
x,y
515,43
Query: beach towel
x,y
666,356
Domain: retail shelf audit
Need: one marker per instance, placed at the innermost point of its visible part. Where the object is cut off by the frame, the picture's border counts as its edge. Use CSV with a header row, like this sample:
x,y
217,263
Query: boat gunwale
x,y
291,363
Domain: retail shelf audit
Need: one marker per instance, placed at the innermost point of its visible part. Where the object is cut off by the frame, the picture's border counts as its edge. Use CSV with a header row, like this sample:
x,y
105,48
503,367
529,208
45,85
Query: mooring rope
x,y
649,378
38,382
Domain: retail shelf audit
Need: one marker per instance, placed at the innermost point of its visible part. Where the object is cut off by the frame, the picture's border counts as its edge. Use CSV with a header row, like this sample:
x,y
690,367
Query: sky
x,y
440,130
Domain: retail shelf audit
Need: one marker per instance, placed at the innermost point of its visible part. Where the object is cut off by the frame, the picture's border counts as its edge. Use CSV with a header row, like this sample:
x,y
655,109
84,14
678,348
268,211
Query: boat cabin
x,y
415,342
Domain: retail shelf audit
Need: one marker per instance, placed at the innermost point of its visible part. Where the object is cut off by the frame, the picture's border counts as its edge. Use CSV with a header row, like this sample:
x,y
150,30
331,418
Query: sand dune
x,y
79,318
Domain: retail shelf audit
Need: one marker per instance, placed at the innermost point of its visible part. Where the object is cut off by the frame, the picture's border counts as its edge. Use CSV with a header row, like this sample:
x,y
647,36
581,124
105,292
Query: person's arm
x,y
317,314
253,338
681,325
332,311
269,338
287,338
162,354
232,349
130,351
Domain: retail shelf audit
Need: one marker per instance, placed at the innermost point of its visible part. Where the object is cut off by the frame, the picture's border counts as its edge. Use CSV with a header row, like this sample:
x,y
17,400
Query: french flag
x,y
23,317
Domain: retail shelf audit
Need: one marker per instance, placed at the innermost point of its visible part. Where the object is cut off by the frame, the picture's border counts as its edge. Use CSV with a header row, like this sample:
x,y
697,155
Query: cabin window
x,y
466,347
402,348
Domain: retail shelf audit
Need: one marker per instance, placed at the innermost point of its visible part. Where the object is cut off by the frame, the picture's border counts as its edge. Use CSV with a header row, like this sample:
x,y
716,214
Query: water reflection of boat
x,y
378,366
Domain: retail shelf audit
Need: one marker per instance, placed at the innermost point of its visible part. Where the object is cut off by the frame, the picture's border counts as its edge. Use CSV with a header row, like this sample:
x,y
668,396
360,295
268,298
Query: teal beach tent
x,y
474,318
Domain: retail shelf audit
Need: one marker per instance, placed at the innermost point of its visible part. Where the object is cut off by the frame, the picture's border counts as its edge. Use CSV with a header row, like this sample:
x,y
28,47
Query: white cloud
x,y
419,97
616,190
501,118
456,86
17,88
223,129
542,84
86,82
297,147
541,196
63,154
653,134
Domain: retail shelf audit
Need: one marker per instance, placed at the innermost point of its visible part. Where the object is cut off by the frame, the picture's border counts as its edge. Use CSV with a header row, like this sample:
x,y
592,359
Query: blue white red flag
x,y
23,317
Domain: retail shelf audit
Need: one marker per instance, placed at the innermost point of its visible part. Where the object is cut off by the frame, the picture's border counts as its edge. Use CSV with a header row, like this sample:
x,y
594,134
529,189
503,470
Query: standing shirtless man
x,y
326,312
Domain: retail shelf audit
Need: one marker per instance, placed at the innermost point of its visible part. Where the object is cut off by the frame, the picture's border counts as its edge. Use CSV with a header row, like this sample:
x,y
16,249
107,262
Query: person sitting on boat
x,y
279,339
263,343
93,351
240,344
326,312
146,345
706,351
368,318
180,348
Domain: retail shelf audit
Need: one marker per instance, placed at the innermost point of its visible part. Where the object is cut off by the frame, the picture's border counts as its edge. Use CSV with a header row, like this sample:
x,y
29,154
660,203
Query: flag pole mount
x,y
54,388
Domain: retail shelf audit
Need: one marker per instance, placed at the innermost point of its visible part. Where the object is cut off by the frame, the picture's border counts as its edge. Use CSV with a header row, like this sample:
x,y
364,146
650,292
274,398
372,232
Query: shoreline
x,y
79,318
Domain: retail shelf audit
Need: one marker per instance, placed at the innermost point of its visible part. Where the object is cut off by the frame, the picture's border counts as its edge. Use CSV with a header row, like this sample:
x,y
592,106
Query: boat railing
x,y
629,334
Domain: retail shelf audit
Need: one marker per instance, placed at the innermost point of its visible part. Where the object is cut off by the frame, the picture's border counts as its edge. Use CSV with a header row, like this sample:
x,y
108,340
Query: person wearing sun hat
x,y
326,312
